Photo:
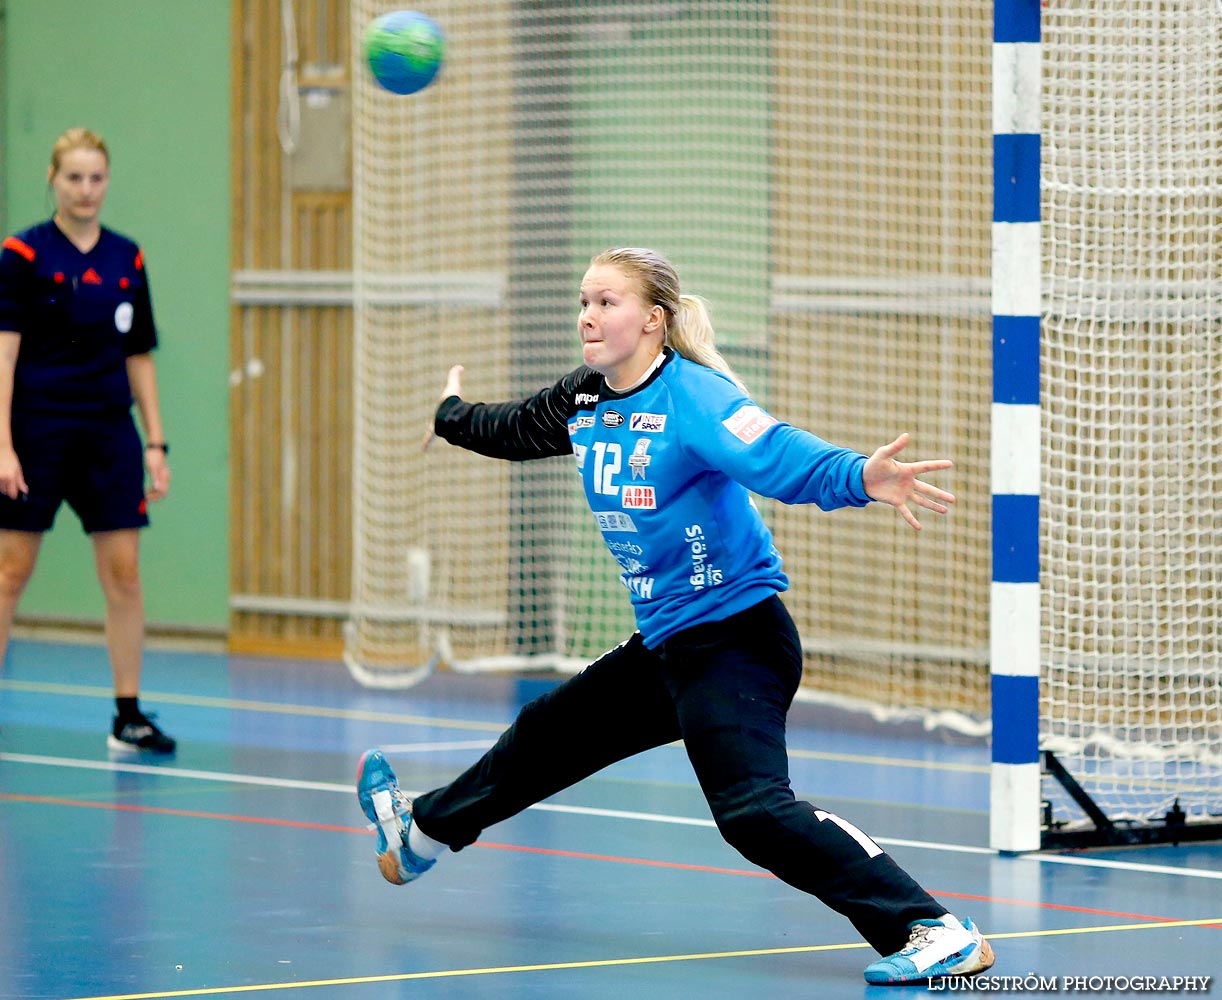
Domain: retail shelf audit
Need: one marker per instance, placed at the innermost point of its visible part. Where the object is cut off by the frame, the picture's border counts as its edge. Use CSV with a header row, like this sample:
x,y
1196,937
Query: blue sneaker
x,y
390,813
936,949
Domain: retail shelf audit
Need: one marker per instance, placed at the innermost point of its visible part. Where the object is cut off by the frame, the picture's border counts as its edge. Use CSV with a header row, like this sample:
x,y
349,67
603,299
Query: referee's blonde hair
x,y
76,138
689,330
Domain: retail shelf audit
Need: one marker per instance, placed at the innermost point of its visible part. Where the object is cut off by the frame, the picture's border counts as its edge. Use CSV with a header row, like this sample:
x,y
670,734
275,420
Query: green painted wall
x,y
152,76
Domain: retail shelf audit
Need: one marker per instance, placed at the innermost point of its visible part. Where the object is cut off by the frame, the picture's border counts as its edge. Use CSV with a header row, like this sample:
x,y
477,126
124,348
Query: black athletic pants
x,y
725,689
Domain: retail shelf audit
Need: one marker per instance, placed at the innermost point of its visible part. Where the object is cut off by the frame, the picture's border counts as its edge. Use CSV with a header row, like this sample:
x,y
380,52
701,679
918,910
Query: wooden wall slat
x,y
290,414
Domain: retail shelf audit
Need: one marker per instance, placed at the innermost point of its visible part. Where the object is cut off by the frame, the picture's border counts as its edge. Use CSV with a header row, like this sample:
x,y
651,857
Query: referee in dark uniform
x,y
76,336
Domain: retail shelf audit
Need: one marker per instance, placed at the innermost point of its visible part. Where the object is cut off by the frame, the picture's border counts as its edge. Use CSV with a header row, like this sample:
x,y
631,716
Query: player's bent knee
x,y
750,830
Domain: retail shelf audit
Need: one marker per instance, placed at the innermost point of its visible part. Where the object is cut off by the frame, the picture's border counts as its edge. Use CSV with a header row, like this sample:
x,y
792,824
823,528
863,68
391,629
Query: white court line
x,y
325,786
1128,866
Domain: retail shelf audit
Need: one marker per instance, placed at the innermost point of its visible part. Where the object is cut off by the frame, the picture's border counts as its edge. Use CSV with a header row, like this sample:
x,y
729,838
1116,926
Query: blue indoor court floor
x,y
242,865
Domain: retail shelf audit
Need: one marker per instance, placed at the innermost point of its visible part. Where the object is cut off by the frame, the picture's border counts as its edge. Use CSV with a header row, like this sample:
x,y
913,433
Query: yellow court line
x,y
612,962
317,711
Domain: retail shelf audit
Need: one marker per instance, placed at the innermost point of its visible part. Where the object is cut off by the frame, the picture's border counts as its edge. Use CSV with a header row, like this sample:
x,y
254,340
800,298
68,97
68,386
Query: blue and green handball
x,y
404,50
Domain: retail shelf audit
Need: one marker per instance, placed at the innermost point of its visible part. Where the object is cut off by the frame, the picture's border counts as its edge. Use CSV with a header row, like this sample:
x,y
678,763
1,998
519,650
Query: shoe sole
x,y
120,747
388,820
383,807
987,958
388,865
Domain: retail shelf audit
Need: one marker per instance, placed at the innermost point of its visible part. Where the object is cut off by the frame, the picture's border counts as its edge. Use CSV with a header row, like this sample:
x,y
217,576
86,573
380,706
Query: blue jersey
x,y
668,470
80,316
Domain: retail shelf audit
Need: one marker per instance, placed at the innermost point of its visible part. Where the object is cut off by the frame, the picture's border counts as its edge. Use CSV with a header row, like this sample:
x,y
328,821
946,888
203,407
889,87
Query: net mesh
x,y
1132,397
819,173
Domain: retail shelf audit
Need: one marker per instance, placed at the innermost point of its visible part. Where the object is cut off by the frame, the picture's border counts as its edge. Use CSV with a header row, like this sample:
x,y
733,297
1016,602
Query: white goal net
x,y
819,173
1131,560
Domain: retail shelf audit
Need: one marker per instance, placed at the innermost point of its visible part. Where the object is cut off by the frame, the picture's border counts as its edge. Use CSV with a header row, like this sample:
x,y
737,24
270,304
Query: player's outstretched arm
x,y
896,483
453,387
516,430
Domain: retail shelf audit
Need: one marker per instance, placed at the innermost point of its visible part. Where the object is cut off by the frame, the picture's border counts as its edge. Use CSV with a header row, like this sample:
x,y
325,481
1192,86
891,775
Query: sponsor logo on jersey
x,y
639,460
642,586
613,418
123,317
647,423
638,498
613,521
748,423
579,453
704,573
633,566
631,548
586,397
579,423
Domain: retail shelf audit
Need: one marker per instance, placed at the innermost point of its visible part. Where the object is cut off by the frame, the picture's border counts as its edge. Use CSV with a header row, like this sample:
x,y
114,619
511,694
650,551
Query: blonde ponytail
x,y
690,333
689,330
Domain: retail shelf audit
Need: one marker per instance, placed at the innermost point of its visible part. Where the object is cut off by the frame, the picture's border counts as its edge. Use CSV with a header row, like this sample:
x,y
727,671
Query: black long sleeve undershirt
x,y
518,430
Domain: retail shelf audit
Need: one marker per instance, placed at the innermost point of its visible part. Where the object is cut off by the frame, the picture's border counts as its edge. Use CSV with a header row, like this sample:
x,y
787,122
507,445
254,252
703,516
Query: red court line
x,y
580,855
618,860
193,813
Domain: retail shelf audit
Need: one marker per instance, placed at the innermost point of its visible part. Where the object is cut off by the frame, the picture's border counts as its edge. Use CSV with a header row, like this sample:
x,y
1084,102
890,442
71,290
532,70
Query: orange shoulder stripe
x,y
26,251
139,260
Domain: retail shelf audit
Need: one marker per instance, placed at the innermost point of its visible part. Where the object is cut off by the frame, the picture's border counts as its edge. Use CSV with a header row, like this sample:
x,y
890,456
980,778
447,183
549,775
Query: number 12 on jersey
x,y
608,460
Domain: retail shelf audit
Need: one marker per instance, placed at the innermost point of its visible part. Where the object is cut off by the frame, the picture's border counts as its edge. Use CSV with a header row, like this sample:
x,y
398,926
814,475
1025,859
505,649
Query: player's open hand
x,y
453,387
896,483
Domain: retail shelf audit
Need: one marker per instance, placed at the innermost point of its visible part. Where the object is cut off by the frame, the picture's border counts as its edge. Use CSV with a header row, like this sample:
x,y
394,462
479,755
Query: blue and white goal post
x,y
1014,824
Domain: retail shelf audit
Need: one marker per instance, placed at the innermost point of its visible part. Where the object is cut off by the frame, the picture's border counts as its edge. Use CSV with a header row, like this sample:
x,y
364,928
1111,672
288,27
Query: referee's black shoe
x,y
139,734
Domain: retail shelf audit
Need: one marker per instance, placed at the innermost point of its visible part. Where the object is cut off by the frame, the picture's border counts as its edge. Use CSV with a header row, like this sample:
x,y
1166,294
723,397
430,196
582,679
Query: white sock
x,y
424,846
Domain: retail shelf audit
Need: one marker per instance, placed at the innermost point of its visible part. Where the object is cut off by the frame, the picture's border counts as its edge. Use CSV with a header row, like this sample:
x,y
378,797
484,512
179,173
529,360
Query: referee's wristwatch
x,y
160,446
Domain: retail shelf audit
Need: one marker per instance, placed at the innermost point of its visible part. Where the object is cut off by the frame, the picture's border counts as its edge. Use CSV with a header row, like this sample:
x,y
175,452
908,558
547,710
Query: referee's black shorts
x,y
95,463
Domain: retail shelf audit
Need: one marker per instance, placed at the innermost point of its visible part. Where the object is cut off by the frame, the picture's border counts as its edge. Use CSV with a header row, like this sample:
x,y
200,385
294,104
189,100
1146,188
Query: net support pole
x,y
1014,613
